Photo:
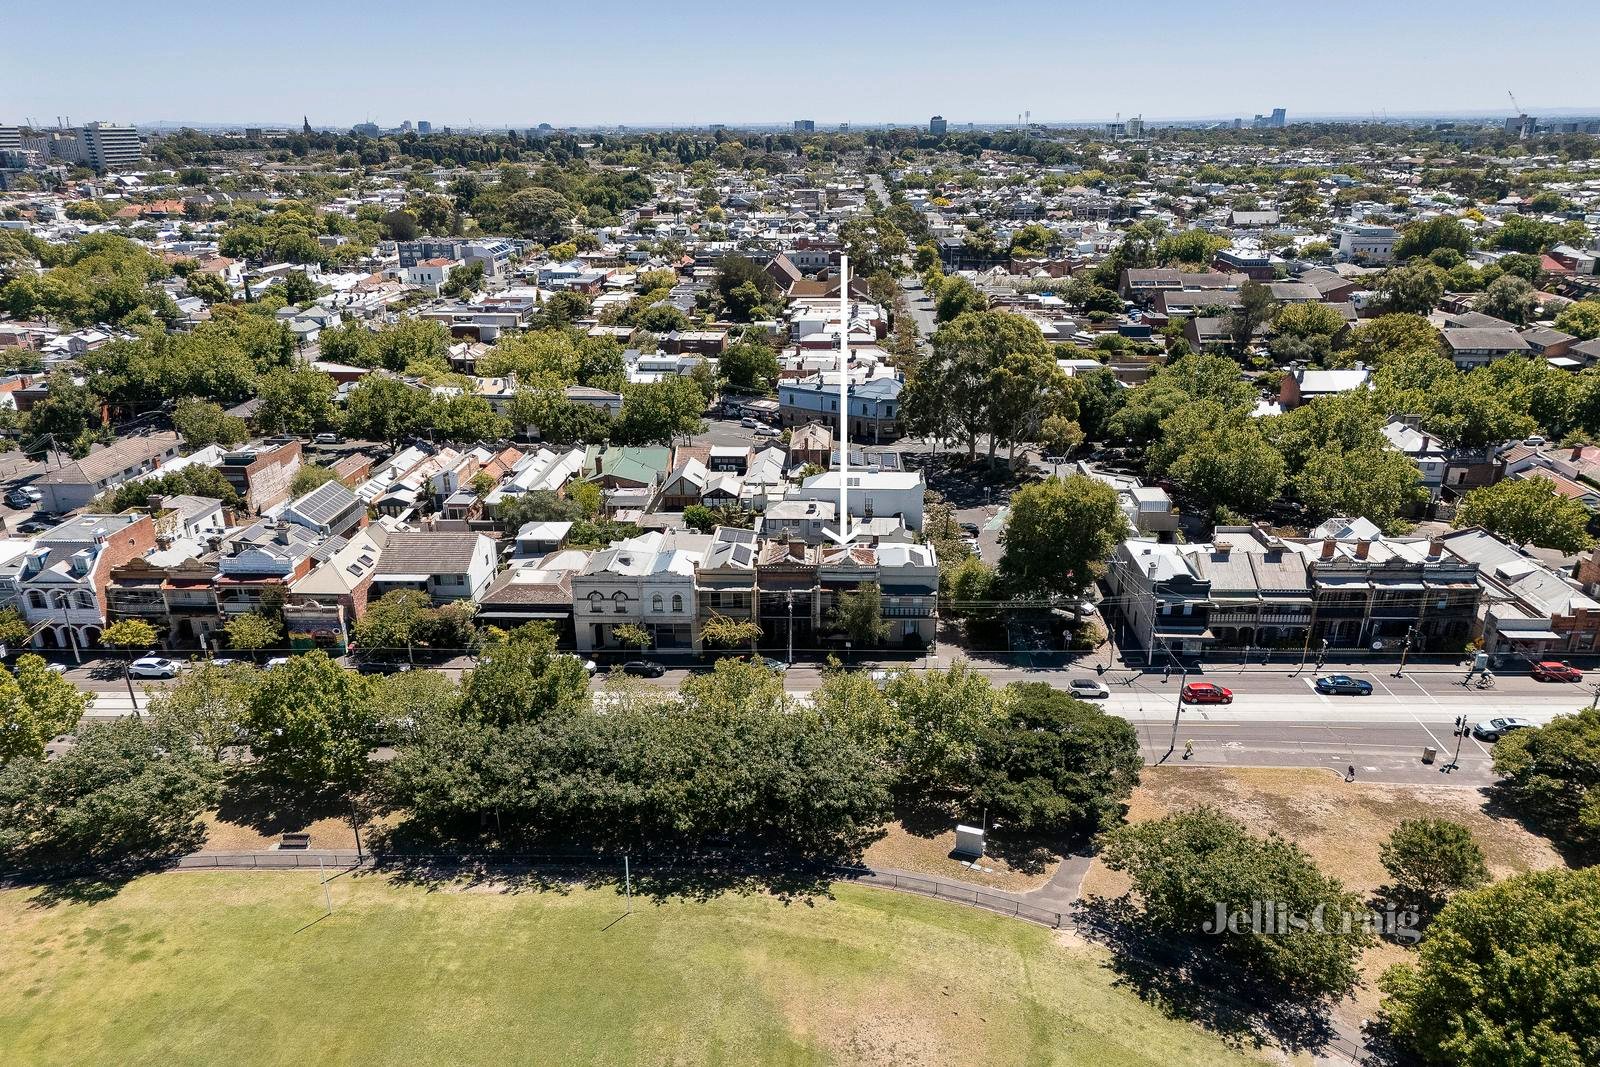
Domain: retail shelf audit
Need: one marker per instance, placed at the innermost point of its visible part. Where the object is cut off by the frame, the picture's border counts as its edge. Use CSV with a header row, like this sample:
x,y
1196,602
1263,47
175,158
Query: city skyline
x,y
892,64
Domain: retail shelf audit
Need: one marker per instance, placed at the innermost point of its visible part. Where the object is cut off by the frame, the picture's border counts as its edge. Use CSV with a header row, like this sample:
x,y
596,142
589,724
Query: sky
x,y
493,63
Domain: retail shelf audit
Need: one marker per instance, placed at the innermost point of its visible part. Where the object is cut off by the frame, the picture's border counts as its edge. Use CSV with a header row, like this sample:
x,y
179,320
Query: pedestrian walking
x,y
1188,749
1350,775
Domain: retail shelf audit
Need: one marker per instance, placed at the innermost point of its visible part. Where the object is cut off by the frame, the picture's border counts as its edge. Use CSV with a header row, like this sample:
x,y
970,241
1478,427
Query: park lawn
x,y
208,968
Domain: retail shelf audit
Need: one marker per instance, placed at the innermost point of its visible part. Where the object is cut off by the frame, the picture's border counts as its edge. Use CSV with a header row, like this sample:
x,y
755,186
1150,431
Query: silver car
x,y
1088,689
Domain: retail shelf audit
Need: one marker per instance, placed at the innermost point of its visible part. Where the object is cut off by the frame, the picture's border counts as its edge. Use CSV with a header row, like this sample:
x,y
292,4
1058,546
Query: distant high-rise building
x,y
1136,126
424,127
106,146
305,124
805,126
1522,127
1280,118
10,138
369,129
936,125
405,127
1238,124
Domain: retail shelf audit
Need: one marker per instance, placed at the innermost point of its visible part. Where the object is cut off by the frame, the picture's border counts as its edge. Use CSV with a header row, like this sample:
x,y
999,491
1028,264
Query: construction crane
x,y
1514,105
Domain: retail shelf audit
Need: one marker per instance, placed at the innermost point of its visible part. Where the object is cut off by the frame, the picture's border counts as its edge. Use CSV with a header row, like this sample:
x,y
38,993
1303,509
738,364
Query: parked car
x,y
277,661
768,431
1206,693
21,498
1495,729
376,666
328,439
970,529
773,664
643,668
1344,685
751,423
153,667
1088,689
1553,671
33,526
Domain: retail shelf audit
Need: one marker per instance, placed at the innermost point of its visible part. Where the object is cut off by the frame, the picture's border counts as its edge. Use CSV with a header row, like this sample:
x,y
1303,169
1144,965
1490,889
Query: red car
x,y
1551,671
1206,693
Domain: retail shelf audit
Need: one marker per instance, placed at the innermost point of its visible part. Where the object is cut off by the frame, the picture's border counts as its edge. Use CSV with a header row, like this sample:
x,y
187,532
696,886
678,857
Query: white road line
x,y
1437,744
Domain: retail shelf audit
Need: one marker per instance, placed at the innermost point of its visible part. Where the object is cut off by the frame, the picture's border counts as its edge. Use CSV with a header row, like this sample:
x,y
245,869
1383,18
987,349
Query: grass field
x,y
241,969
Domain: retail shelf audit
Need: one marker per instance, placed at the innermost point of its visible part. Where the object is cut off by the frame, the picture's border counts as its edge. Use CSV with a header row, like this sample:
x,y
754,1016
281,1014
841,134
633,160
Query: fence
x,y
960,894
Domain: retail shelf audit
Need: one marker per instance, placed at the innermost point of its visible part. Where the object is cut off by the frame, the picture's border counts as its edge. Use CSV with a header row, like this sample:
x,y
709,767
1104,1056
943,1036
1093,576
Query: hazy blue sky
x,y
702,61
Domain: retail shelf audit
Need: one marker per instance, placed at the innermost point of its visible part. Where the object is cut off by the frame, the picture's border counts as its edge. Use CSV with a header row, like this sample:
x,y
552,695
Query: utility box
x,y
969,841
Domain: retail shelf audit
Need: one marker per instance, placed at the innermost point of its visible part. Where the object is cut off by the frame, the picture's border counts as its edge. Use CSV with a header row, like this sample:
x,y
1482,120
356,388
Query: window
x,y
677,603
36,600
655,604
619,602
595,602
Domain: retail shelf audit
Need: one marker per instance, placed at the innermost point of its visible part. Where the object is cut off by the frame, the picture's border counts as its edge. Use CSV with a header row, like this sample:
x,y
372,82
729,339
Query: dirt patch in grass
x,y
1339,824
225,836
928,852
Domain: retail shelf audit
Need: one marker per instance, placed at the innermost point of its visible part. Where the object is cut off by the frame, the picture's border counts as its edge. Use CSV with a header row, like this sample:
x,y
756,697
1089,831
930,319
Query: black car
x,y
383,666
643,668
1345,685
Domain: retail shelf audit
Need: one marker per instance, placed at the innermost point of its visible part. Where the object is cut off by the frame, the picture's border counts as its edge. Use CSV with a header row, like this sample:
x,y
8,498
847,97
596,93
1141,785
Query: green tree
x,y
958,297
1049,764
463,281
542,215
749,367
1057,534
723,632
298,288
206,705
208,287
310,724
123,791
1551,776
1414,289
1194,247
1429,859
632,635
396,623
308,477
941,718
1222,457
252,631
128,634
36,704
1504,977
1527,511
385,409
201,423
298,402
1511,298
1580,319
1425,236
1256,308
858,615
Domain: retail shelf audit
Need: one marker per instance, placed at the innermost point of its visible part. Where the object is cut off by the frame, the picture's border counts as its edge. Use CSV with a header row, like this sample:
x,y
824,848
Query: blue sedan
x,y
1344,684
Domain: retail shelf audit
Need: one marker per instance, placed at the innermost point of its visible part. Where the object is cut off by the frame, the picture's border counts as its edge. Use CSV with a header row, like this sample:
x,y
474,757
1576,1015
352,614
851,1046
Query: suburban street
x,y
1276,718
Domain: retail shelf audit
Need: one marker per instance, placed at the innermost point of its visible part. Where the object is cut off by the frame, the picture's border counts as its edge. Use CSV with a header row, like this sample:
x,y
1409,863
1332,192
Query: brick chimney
x,y
1435,546
1363,546
1328,547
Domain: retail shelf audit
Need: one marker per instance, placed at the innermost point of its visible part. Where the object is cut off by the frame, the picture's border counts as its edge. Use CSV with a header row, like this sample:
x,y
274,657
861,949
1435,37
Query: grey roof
x,y
418,552
324,503
112,459
1494,338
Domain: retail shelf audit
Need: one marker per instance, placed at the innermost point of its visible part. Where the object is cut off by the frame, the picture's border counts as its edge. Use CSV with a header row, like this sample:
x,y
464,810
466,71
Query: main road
x,y
1277,718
